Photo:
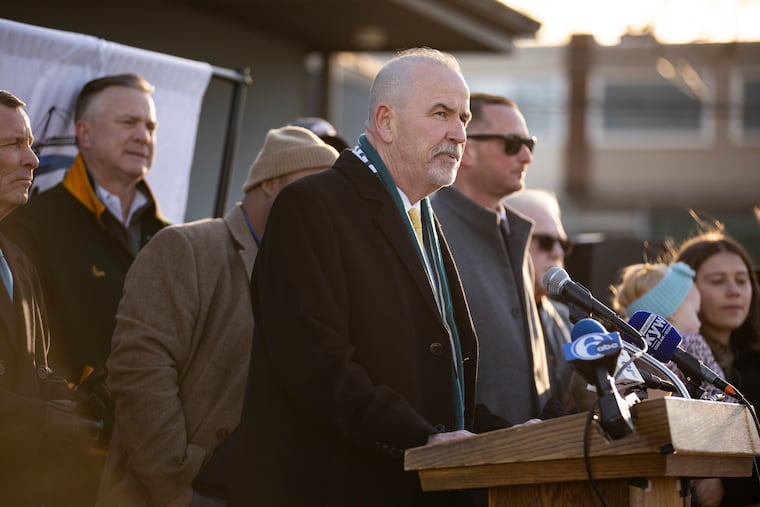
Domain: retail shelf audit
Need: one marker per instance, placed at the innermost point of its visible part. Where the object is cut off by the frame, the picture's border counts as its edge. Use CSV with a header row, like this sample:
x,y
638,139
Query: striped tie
x,y
414,216
5,274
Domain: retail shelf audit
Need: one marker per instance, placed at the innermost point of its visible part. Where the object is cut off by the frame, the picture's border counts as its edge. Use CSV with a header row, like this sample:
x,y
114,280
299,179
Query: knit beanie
x,y
287,150
665,297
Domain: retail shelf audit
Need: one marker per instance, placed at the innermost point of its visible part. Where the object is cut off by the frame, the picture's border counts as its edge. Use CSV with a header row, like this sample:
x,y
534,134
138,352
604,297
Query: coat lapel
x,y
26,311
389,221
518,249
8,317
238,229
7,314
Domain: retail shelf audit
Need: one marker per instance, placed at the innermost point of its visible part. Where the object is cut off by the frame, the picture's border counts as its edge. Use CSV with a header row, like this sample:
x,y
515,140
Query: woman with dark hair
x,y
730,316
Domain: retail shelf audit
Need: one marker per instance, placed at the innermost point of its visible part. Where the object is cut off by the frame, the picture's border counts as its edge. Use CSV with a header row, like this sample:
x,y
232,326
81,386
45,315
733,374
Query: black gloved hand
x,y
95,402
64,427
485,420
552,409
94,395
55,386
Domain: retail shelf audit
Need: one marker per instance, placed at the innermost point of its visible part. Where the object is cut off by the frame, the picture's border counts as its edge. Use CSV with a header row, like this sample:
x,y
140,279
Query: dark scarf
x,y
433,247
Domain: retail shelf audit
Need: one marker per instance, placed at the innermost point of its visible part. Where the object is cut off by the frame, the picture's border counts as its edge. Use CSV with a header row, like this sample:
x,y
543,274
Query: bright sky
x,y
671,21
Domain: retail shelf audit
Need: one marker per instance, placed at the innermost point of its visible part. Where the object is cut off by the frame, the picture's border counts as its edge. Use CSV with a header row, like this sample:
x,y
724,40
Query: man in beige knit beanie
x,y
289,153
182,342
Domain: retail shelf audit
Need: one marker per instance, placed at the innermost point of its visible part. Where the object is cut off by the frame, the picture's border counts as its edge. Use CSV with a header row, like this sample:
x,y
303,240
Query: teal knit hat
x,y
665,297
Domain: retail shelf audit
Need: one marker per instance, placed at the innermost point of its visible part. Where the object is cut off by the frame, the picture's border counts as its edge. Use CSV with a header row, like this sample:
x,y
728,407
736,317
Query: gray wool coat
x,y
498,285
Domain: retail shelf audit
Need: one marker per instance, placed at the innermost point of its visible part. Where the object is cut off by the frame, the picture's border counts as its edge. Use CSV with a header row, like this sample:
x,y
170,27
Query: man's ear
x,y
83,130
468,156
385,122
271,186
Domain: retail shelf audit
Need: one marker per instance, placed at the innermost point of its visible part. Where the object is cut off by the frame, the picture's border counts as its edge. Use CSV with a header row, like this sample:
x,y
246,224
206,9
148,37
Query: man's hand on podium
x,y
529,421
449,435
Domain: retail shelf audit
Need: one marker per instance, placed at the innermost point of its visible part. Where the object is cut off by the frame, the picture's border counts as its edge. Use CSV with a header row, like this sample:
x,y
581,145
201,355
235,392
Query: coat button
x,y
515,312
2,367
436,349
440,428
222,434
43,372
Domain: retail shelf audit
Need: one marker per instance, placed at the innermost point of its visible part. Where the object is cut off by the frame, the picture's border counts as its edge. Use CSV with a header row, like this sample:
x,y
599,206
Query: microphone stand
x,y
660,368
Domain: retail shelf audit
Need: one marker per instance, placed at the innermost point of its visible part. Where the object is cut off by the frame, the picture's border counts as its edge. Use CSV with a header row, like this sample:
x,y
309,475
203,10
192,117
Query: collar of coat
x,y
77,182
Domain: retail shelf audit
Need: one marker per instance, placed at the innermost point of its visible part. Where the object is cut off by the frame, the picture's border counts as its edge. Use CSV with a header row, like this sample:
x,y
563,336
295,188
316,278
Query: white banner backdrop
x,y
46,69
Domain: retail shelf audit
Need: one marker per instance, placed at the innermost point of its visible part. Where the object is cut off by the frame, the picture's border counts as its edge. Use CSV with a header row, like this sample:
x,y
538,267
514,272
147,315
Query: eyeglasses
x,y
512,142
546,243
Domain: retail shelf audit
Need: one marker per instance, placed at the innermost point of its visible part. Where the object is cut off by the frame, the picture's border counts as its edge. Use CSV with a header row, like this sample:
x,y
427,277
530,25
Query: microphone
x,y
663,340
594,354
627,375
557,282
630,376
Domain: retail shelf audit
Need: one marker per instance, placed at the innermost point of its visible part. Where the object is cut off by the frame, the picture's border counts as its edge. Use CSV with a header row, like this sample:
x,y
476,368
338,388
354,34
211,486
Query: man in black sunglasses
x,y
490,245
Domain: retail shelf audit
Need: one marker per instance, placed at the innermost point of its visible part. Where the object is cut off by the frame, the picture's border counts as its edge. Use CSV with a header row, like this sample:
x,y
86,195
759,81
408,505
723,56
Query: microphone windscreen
x,y
553,280
593,346
662,337
586,326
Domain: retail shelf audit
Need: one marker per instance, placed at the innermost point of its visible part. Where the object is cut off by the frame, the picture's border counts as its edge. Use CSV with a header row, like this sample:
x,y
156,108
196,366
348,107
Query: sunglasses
x,y
512,142
546,243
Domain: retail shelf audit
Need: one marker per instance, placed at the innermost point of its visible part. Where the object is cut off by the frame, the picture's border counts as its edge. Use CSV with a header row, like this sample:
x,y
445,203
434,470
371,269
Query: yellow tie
x,y
414,216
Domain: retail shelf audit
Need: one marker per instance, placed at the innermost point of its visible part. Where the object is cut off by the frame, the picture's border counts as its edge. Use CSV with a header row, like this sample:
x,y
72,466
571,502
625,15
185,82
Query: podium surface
x,y
543,463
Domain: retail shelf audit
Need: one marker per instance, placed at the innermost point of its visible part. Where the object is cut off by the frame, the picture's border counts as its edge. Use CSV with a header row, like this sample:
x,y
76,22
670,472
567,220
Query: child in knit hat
x,y
668,291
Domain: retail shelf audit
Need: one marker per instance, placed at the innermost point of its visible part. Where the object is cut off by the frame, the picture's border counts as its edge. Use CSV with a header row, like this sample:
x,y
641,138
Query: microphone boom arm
x,y
660,367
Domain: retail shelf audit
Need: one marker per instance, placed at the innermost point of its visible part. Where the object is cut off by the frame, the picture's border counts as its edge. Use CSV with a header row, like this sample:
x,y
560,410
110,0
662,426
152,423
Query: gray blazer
x,y
498,282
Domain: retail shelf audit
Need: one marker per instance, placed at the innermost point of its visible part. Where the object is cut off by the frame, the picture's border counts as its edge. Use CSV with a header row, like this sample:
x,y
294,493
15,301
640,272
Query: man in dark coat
x,y
83,234
34,433
363,344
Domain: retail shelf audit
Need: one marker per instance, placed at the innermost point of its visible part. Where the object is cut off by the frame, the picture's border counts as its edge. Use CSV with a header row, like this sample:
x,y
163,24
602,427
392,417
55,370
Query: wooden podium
x,y
542,464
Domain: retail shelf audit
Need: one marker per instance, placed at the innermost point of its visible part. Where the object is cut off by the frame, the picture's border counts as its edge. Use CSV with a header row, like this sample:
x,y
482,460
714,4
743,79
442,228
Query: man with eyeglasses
x,y
548,247
490,245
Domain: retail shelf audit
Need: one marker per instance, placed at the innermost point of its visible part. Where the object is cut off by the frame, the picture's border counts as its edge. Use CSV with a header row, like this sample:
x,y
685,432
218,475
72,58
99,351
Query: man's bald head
x,y
391,82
